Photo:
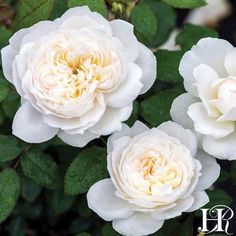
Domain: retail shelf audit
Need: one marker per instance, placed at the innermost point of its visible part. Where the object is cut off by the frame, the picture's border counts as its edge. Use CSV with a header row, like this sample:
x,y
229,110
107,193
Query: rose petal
x,y
77,140
179,110
85,11
200,200
228,116
185,136
128,90
230,62
111,120
208,51
205,76
78,124
7,56
207,125
224,148
29,126
138,224
16,39
113,158
136,129
38,30
182,205
210,170
102,200
124,31
147,62
75,11
77,22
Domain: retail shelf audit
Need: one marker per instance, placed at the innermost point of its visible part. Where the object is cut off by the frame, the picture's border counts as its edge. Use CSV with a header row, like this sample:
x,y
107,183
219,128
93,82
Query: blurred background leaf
x,y
186,3
29,12
98,5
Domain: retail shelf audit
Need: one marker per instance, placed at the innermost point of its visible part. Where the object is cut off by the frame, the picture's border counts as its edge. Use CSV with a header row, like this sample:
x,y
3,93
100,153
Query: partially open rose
x,y
209,107
156,174
77,76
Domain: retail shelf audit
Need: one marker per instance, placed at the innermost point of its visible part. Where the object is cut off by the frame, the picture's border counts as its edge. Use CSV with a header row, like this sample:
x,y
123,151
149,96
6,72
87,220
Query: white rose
x,y
77,76
155,174
209,72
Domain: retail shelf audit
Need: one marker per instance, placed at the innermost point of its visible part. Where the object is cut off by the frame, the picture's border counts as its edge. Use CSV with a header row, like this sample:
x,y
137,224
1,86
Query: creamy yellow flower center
x,y
156,166
83,70
69,70
158,172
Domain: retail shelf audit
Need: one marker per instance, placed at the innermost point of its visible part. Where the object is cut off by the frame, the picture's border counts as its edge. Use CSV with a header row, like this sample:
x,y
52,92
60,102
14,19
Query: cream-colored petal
x,y
136,129
210,171
124,31
7,56
102,200
207,125
182,205
200,200
29,126
205,76
230,62
128,91
148,63
223,148
179,109
185,136
111,120
209,51
139,224
77,140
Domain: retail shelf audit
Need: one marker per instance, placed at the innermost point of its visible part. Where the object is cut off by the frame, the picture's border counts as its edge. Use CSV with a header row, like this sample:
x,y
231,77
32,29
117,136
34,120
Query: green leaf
x,y
29,12
155,109
11,104
29,210
107,230
84,234
86,169
168,229
186,3
166,19
224,175
83,208
4,87
97,6
168,66
9,148
17,227
29,190
5,34
186,228
2,117
233,172
218,197
144,20
59,202
41,168
80,225
191,34
9,192
59,9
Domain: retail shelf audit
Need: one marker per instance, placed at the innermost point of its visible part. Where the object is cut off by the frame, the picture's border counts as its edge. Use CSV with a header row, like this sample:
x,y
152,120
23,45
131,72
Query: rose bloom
x,y
77,76
209,72
155,174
